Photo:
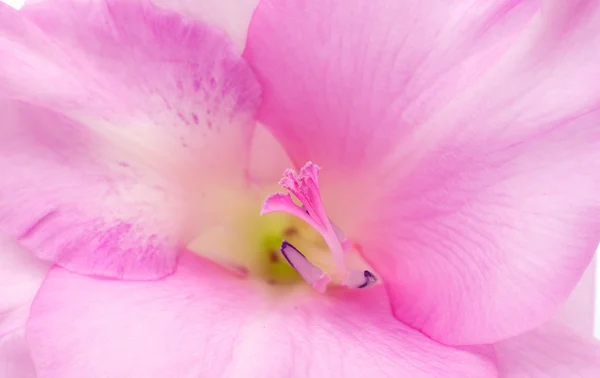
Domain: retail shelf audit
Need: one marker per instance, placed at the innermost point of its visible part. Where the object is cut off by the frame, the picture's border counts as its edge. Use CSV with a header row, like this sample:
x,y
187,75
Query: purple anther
x,y
313,275
358,279
370,280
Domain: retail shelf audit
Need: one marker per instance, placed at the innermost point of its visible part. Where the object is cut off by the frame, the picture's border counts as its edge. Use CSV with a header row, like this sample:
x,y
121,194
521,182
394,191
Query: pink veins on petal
x,y
305,187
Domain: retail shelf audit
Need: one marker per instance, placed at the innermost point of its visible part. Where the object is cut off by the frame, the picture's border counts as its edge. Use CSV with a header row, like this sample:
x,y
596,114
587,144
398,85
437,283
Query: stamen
x,y
360,280
305,187
314,276
346,244
310,273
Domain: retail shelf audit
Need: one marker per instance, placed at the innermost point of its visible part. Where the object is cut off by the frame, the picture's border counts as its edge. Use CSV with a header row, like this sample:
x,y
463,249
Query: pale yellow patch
x,y
248,243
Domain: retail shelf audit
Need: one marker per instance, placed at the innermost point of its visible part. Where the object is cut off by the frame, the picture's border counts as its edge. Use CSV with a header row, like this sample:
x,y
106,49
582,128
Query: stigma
x,y
304,186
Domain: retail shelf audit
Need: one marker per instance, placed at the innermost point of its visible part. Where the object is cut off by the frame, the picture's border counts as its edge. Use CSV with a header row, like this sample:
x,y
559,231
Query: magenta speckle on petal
x,y
131,71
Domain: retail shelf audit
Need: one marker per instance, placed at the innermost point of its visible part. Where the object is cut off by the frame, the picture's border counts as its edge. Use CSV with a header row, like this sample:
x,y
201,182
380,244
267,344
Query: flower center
x,y
296,241
305,188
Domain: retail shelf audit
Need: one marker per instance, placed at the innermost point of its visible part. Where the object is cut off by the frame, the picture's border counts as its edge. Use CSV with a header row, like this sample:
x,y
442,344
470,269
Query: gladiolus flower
x,y
438,165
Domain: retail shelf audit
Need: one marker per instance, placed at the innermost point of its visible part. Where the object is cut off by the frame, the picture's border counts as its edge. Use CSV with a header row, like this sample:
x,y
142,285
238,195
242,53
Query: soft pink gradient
x,y
460,147
230,16
345,81
113,180
77,202
465,138
553,350
563,347
15,360
21,275
203,322
579,310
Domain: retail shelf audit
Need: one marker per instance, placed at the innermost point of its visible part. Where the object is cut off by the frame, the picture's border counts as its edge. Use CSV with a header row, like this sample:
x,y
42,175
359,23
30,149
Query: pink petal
x,y
268,158
579,310
203,322
563,347
548,352
464,142
361,74
17,4
15,361
494,226
76,200
231,16
153,100
21,276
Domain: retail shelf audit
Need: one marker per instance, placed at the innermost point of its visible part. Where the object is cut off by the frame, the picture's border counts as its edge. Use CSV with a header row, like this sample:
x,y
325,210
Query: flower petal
x,y
15,361
73,199
468,144
150,100
579,310
550,351
562,347
361,74
232,16
17,4
21,276
203,322
494,216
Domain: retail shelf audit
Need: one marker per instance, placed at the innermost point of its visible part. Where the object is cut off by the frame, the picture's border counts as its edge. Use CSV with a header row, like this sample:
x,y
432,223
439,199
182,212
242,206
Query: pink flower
x,y
455,210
